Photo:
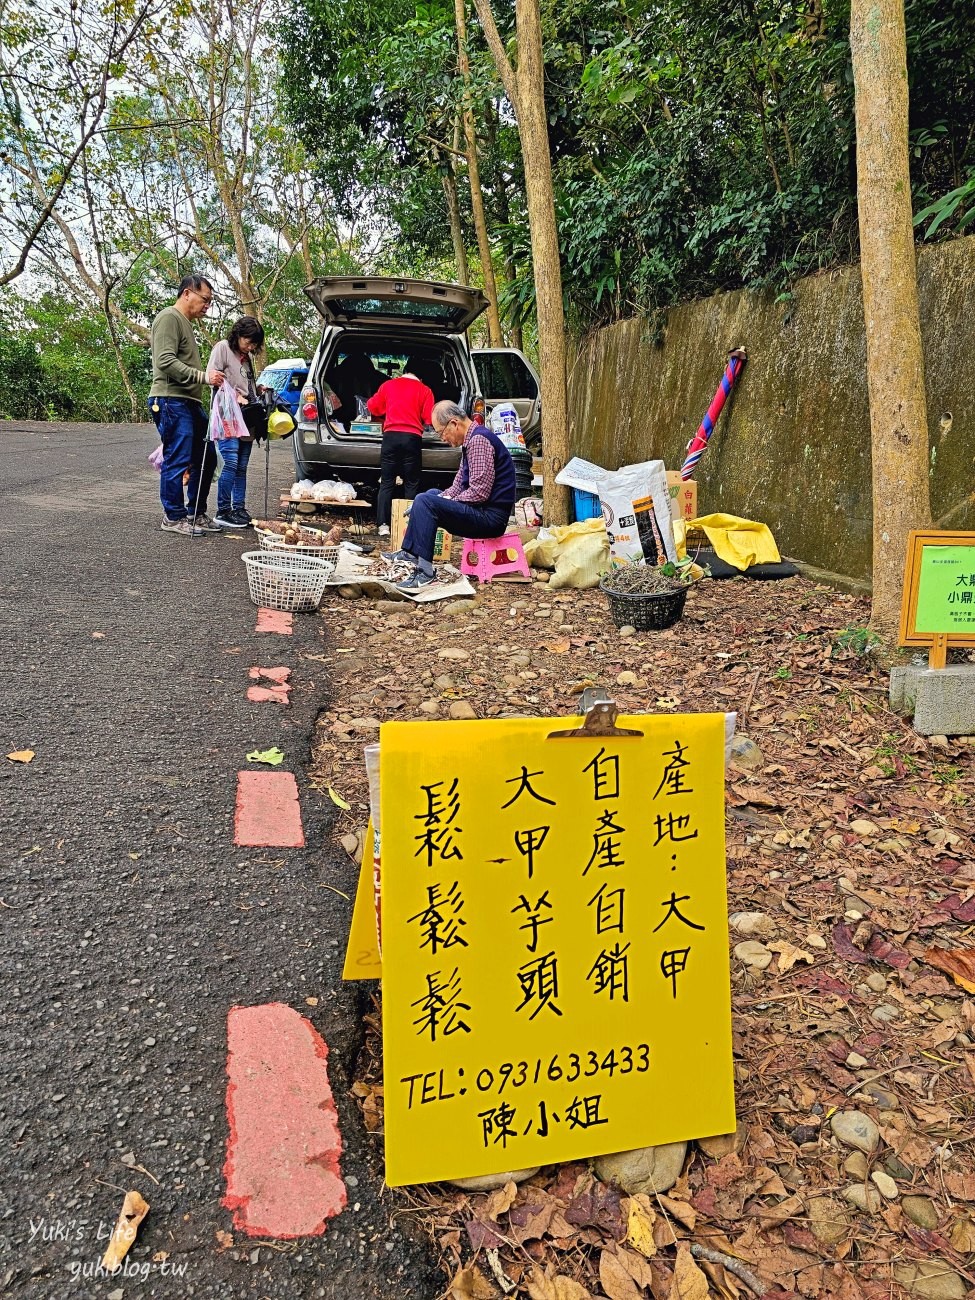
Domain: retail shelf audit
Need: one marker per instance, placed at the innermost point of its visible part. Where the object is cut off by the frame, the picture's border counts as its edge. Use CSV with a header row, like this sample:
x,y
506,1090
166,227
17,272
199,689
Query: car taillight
x,y
478,410
309,403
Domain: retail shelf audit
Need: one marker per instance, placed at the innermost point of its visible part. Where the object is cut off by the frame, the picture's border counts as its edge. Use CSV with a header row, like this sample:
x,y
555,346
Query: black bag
x,y
255,417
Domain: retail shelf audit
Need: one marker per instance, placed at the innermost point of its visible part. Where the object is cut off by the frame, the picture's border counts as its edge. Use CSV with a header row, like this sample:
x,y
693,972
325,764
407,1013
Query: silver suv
x,y
374,329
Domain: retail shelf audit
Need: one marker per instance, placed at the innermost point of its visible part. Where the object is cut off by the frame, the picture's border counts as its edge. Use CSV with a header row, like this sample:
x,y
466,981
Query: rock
x,y
931,1279
753,954
458,608
884,1184
430,706
490,1182
921,1210
752,924
856,1062
880,1097
862,827
857,1165
876,982
627,630
897,1168
444,682
453,652
626,679
864,1197
723,1143
647,1169
350,593
816,941
854,1129
365,724
884,1013
745,753
520,660
462,709
828,1221
403,606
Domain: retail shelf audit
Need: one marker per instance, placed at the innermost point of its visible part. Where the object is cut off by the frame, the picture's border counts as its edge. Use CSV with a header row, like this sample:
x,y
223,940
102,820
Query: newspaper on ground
x,y
373,570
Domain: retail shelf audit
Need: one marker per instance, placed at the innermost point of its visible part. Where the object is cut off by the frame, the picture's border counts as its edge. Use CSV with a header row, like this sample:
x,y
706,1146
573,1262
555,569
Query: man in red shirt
x,y
407,407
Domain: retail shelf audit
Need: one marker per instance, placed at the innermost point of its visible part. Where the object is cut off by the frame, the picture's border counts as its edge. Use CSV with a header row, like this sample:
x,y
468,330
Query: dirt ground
x,y
850,852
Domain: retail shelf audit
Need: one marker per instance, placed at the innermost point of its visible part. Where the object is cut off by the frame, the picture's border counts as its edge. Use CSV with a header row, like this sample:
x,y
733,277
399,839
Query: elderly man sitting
x,y
477,504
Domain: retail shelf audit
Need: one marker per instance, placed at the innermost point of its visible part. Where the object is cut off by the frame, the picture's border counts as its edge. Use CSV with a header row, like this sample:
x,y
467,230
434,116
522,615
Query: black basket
x,y
647,611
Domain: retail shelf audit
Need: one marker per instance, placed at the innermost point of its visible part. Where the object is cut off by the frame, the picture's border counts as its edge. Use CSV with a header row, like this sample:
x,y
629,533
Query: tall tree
x,y
895,361
524,85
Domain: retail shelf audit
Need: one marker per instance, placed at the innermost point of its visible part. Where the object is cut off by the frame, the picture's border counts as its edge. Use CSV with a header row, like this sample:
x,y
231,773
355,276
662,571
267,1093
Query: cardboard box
x,y
441,547
683,496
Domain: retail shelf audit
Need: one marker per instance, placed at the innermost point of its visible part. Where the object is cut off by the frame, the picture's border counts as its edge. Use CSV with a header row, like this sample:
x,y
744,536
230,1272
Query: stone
x,y
884,1184
445,682
491,1182
350,593
365,724
828,1221
753,924
854,1129
627,630
862,827
884,1013
745,753
897,1168
722,1144
856,1062
753,954
430,706
459,608
931,1279
626,679
876,982
521,660
921,1210
462,709
880,1097
403,606
944,703
816,941
857,1165
453,652
864,1197
646,1169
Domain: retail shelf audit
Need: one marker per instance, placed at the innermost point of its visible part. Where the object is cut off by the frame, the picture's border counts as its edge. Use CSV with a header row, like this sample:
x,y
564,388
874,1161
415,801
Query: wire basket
x,y
647,611
281,580
272,541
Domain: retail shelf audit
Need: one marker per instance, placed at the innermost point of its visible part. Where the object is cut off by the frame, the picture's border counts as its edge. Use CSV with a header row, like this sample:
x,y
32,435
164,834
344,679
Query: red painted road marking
x,y
268,812
269,694
282,1166
274,620
278,675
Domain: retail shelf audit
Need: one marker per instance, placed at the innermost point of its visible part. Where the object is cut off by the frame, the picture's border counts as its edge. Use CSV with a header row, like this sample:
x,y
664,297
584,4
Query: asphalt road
x,y
129,923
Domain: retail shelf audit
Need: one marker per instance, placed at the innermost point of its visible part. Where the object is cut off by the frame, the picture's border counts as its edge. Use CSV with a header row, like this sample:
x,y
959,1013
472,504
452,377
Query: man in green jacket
x,y
177,410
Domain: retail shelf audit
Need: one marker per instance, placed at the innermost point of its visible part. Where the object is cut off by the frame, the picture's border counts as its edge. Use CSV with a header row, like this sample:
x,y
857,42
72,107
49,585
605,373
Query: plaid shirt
x,y
479,455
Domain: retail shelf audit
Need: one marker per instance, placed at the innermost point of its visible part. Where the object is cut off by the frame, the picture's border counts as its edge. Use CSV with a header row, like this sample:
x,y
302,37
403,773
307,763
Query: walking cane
x,y
267,471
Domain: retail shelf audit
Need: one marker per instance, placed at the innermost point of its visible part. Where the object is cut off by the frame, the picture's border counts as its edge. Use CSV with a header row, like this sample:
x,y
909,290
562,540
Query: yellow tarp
x,y
740,542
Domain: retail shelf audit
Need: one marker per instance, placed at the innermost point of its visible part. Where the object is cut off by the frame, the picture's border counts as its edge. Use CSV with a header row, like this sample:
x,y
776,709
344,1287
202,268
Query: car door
x,y
506,375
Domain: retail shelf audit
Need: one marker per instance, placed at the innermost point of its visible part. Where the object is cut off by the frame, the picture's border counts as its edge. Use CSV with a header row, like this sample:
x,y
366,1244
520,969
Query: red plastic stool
x,y
485,558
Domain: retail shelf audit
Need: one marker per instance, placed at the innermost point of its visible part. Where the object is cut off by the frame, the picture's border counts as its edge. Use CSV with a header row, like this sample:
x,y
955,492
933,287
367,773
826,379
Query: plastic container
x,y
281,580
646,611
587,505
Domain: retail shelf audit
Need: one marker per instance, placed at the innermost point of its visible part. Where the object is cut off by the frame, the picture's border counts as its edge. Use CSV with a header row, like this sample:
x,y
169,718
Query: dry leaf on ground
x,y
690,1282
959,963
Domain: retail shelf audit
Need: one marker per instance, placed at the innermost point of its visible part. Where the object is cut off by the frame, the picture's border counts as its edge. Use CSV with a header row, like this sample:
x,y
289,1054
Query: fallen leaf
x,y
843,943
961,1186
134,1210
500,1201
336,799
689,1281
640,1218
273,756
557,647
311,1002
21,756
471,1284
789,954
224,1239
615,1280
555,1286
98,636
959,963
963,1236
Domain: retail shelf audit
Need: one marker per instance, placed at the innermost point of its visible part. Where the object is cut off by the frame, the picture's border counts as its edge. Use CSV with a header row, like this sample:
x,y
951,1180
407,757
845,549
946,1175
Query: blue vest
x,y
503,493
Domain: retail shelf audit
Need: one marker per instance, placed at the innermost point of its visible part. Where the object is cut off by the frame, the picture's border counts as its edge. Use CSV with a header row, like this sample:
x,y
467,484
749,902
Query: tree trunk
x,y
456,226
495,337
540,198
895,363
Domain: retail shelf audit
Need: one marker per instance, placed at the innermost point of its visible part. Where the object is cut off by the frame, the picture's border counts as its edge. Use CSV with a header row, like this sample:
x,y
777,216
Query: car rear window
x,y
364,307
504,374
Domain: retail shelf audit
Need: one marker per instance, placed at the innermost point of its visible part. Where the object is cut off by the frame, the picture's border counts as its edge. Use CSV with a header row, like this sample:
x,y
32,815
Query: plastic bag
x,y
333,490
506,424
528,512
636,508
226,420
155,458
578,552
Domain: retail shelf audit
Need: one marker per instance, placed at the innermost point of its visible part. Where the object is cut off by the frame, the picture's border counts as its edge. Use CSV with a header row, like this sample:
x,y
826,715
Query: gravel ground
x,y
130,923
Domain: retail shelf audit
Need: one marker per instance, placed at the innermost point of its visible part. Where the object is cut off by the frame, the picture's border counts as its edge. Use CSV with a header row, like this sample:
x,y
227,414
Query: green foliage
x,y
858,641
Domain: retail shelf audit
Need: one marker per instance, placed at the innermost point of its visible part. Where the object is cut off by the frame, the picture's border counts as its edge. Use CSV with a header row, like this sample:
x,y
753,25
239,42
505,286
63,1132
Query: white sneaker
x,y
384,530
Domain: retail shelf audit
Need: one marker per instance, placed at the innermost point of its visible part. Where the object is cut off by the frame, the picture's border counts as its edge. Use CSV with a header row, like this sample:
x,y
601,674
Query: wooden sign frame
x,y
937,642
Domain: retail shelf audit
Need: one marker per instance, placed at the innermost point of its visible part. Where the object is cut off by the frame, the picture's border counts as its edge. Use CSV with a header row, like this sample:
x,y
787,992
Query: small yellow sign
x,y
362,959
555,942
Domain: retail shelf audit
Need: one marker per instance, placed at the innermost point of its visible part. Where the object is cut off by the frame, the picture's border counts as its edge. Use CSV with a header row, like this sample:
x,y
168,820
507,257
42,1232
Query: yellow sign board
x,y
555,942
362,959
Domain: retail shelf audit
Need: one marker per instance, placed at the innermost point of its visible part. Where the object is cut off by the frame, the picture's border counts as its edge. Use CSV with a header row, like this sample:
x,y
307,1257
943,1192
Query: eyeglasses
x,y
444,427
207,302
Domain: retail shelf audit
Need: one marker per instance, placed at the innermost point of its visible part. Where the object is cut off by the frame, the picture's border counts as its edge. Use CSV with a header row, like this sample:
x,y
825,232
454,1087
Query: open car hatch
x,y
376,300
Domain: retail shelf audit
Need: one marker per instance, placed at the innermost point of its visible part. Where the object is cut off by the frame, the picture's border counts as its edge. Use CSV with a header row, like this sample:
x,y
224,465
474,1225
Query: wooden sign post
x,y
938,603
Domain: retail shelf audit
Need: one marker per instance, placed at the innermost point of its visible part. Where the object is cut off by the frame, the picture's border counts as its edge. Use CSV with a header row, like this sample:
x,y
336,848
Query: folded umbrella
x,y
696,446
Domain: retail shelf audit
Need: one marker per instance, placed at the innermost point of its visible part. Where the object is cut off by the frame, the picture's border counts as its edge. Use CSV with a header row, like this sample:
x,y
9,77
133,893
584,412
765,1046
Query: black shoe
x,y
228,519
416,580
241,515
399,557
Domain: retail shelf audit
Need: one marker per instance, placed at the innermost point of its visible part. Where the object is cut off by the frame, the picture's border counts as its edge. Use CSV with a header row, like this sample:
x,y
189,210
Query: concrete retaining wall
x,y
793,444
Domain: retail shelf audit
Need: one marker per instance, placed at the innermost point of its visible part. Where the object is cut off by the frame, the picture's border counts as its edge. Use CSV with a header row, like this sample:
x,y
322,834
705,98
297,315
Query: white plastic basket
x,y
271,541
280,579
